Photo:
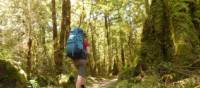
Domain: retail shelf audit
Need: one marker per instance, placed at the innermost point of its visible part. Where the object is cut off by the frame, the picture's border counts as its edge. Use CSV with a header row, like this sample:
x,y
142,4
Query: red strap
x,y
85,43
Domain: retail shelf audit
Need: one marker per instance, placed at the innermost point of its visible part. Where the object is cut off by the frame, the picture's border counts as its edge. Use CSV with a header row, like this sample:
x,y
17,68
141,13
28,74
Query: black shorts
x,y
82,55
77,55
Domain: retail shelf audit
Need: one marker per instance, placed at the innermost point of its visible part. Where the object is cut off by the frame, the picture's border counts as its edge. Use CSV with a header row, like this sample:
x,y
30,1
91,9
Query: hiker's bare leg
x,y
81,67
80,81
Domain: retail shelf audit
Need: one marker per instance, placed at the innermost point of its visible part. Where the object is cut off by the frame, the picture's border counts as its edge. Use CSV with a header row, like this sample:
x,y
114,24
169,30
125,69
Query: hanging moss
x,y
11,76
185,37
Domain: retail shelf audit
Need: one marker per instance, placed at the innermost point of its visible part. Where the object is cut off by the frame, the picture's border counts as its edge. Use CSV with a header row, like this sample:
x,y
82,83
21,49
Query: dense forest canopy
x,y
146,41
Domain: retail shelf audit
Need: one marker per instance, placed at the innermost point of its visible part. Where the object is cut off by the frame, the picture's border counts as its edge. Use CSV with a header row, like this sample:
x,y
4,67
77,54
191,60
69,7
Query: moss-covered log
x,y
11,76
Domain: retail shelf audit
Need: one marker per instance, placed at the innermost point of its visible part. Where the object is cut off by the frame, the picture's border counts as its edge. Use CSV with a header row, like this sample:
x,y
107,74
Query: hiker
x,y
77,50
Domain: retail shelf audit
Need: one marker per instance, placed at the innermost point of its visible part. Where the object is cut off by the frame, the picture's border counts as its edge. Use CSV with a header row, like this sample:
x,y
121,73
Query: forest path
x,y
103,83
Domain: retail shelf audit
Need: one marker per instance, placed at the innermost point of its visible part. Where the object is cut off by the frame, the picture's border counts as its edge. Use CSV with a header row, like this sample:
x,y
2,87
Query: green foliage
x,y
126,74
34,84
67,81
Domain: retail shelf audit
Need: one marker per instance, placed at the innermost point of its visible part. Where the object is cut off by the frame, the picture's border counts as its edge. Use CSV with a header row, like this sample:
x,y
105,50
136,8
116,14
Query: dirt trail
x,y
106,83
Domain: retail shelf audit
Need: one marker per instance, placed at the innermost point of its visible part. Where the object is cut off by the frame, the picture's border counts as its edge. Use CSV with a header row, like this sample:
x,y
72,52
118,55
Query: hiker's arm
x,y
88,50
87,47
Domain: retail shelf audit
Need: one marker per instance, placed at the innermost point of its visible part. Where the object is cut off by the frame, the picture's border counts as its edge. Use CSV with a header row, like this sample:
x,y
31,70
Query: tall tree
x,y
107,32
170,33
55,39
92,28
29,43
65,27
147,7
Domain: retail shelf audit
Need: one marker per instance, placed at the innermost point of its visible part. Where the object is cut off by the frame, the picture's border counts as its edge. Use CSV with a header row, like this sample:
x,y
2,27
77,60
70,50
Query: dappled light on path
x,y
103,83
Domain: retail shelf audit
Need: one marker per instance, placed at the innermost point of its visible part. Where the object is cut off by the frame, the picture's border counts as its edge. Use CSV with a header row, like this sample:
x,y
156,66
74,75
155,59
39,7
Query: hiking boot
x,y
82,86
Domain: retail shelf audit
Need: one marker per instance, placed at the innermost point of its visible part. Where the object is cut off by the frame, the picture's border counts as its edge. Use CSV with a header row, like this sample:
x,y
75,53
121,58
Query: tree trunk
x,y
122,56
131,48
147,7
116,64
55,37
68,20
171,36
108,42
186,47
29,43
93,49
195,9
43,40
29,66
65,27
122,48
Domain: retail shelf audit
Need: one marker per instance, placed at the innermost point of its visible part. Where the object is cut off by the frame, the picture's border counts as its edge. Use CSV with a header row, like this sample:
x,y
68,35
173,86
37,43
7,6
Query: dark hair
x,y
85,35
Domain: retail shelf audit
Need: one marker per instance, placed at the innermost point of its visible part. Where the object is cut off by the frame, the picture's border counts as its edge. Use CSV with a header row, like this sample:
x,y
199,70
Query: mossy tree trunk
x,y
156,37
55,37
170,34
94,54
29,29
65,27
107,33
184,33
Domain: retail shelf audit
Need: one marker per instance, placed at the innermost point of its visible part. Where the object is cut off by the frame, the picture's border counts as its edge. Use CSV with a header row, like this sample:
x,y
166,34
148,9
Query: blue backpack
x,y
74,44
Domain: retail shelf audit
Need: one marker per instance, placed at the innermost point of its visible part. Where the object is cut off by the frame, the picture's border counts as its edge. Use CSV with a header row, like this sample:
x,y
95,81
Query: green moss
x,y
11,76
171,37
186,42
170,33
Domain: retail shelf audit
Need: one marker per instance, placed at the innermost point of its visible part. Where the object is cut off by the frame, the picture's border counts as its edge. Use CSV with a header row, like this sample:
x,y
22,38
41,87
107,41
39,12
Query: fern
x,y
180,7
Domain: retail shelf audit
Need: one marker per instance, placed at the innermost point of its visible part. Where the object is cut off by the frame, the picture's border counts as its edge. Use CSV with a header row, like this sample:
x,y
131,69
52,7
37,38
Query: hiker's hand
x,y
88,50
